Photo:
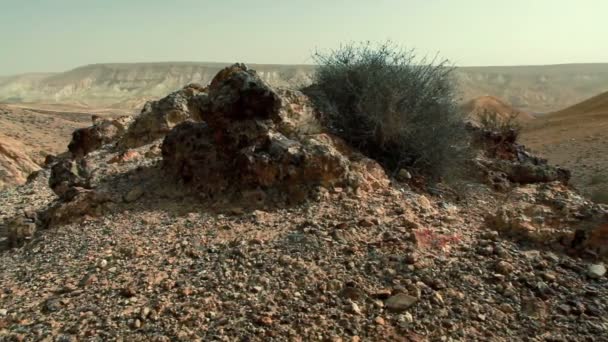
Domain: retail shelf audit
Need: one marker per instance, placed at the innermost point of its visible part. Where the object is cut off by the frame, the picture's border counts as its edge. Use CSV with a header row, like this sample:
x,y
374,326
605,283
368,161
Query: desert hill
x,y
576,138
534,89
228,213
491,104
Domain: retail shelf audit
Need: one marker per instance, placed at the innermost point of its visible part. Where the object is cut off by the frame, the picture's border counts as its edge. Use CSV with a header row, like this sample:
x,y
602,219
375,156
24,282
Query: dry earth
x,y
392,261
577,139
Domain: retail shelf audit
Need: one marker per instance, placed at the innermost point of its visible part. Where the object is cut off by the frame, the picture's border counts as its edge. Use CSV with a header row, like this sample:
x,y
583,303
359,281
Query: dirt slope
x,y
576,137
15,162
32,131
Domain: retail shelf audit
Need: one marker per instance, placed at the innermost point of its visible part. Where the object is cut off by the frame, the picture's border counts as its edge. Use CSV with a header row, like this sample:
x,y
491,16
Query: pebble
x,y
596,271
379,320
504,267
134,194
400,302
406,318
3,312
354,308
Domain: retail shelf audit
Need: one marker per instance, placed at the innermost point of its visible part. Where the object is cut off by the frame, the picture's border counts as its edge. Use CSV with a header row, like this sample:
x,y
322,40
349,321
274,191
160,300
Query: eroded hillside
x,y
534,89
576,138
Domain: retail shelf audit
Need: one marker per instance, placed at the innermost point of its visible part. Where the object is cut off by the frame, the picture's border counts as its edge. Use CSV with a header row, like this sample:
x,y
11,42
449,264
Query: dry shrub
x,y
394,107
504,126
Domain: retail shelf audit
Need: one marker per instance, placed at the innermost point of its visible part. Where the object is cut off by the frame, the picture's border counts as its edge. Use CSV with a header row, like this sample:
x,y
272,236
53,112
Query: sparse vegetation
x,y
504,125
394,107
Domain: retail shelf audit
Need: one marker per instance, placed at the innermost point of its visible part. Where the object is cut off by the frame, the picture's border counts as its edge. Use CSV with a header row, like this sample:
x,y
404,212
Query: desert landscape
x,y
231,252
303,171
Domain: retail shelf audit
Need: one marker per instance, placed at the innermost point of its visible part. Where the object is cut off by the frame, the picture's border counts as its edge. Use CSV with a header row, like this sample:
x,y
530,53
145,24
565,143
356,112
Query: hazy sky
x,y
57,35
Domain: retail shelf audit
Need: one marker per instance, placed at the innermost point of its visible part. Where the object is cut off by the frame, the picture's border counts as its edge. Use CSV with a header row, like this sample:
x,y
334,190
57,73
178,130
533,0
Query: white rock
x,y
596,270
3,312
354,308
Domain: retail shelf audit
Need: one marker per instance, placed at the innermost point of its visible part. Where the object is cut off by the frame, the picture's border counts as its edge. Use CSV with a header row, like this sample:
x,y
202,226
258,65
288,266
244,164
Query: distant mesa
x,y
534,89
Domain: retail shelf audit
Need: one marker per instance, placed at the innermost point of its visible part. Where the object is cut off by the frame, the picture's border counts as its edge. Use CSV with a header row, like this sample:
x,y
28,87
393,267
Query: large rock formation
x,y
157,118
103,131
253,136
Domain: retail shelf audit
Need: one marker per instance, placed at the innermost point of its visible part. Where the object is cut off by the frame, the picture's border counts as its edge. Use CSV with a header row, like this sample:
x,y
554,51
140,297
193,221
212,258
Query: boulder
x,y
19,229
78,205
237,93
255,137
157,118
67,174
89,139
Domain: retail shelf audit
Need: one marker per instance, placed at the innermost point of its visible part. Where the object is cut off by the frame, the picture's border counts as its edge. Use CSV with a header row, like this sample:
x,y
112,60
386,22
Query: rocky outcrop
x,y
157,118
67,174
503,161
103,131
253,137
549,213
76,204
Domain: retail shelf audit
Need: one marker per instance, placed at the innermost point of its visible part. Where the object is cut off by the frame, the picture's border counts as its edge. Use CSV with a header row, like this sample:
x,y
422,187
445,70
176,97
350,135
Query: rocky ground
x,y
28,133
124,249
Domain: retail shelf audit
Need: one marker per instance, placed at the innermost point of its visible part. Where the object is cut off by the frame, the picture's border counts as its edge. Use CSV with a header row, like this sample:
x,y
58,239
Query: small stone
x,y
103,263
549,276
352,292
3,312
404,175
379,320
265,320
438,298
506,308
565,308
145,312
354,308
137,324
596,271
134,194
504,267
257,289
406,318
400,302
366,223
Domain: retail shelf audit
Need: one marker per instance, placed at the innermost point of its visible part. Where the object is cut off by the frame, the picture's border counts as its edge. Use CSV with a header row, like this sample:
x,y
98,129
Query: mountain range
x,y
534,89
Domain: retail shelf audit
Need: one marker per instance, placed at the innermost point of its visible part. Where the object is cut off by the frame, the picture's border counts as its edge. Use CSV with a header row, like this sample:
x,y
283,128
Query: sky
x,y
58,35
